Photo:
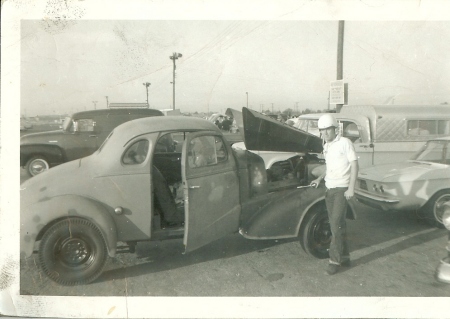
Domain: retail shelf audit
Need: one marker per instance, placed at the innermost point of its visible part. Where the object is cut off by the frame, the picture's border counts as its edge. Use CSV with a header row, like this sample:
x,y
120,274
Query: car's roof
x,y
152,112
164,123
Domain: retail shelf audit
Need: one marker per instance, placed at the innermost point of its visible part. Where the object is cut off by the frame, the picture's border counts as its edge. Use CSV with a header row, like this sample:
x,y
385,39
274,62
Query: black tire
x,y
315,234
433,210
37,165
73,252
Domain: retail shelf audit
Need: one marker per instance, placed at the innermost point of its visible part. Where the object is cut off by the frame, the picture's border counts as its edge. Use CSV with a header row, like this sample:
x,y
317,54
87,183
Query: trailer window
x,y
428,127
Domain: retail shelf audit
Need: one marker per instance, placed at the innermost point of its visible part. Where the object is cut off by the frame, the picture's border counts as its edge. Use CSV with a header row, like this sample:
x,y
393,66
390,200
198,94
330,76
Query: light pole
x,y
147,84
173,58
107,103
247,98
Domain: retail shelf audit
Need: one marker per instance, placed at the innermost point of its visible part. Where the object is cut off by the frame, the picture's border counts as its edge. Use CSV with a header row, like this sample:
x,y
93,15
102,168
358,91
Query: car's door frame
x,y
211,196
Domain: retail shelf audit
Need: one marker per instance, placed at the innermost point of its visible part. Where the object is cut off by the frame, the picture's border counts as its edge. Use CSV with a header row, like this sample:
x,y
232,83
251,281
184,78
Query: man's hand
x,y
349,194
315,183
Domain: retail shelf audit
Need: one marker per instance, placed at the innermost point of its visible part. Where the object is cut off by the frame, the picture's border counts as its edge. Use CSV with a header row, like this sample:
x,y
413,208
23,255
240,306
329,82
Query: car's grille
x,y
362,184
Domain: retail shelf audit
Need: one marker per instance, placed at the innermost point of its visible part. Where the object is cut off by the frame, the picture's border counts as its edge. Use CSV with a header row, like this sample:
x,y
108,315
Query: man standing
x,y
340,178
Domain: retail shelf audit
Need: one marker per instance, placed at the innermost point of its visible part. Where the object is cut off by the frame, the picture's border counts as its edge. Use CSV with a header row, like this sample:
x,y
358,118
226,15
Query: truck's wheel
x,y
433,210
36,165
72,252
315,233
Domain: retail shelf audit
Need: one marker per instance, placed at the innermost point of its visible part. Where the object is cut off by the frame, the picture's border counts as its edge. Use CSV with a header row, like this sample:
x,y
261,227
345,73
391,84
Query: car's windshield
x,y
434,151
67,125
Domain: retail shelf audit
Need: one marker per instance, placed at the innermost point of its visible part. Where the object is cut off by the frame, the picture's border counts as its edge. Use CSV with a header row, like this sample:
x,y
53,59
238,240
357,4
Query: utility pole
x,y
147,84
107,102
95,104
174,57
340,57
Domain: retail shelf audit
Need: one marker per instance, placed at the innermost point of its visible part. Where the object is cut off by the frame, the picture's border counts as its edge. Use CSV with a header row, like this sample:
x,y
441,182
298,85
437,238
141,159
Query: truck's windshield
x,y
308,125
67,125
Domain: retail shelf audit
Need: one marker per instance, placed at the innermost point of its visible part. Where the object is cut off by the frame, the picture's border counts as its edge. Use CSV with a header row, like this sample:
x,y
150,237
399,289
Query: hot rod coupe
x,y
74,215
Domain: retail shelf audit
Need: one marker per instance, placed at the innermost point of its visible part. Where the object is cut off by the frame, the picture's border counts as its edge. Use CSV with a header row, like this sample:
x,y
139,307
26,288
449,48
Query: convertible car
x,y
74,215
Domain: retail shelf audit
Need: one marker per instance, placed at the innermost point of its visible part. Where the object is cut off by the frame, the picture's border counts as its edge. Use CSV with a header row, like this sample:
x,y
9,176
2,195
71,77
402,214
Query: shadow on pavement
x,y
169,255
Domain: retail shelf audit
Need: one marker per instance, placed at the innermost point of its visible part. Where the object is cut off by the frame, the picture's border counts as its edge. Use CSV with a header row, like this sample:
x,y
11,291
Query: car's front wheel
x,y
37,165
72,252
433,211
315,233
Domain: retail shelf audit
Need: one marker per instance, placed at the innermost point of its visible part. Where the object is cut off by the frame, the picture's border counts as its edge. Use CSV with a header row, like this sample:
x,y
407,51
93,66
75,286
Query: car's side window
x,y
350,131
206,151
165,144
84,125
136,153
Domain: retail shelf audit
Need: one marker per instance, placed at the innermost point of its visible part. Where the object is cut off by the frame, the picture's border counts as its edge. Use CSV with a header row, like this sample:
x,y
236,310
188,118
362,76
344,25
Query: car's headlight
x,y
446,216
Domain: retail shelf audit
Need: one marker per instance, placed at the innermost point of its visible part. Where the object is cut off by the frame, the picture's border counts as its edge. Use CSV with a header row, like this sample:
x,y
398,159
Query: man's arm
x,y
353,176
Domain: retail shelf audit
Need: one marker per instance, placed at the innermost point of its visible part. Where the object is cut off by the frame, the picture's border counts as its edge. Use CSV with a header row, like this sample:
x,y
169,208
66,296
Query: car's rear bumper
x,y
378,202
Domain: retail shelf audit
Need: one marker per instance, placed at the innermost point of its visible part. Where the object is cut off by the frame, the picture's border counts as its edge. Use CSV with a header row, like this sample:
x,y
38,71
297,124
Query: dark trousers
x,y
164,200
337,208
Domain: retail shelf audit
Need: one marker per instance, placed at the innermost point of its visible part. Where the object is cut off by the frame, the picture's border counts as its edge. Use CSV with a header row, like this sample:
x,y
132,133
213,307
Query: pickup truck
x,y
75,214
81,135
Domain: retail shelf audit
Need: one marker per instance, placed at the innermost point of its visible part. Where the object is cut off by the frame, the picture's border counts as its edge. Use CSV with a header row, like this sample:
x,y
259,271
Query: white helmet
x,y
327,120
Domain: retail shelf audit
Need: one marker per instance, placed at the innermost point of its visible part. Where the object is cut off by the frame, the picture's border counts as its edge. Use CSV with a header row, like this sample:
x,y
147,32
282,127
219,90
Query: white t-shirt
x,y
338,155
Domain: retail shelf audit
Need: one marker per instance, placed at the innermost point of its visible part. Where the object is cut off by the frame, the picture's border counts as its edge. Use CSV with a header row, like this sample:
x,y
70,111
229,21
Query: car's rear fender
x,y
282,217
38,217
52,153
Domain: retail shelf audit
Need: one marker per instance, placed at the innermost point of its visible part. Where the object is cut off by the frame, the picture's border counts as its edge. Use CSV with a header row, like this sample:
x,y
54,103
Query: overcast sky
x,y
281,64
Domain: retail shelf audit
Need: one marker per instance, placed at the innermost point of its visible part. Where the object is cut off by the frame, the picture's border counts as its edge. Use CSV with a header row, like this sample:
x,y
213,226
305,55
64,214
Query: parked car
x,y
421,185
80,136
443,270
75,214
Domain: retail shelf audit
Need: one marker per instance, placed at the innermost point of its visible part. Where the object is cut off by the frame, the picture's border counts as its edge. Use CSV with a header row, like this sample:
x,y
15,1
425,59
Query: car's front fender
x,y
37,217
282,216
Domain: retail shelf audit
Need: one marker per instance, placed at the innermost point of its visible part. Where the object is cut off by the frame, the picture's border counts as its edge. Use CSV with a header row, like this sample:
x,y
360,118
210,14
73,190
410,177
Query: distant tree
x,y
288,112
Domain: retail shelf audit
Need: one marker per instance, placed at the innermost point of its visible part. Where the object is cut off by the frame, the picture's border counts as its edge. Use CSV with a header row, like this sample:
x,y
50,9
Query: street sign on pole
x,y
337,91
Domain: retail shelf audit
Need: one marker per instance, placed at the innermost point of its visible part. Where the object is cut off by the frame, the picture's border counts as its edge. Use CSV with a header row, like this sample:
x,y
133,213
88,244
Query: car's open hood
x,y
262,133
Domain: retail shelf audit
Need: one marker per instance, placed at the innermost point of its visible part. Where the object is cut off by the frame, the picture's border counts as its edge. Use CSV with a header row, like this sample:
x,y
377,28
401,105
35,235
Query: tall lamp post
x,y
147,84
173,58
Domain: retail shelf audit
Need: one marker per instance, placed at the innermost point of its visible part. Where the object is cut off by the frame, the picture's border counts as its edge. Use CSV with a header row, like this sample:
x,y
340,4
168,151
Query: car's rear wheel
x,y
72,252
37,165
315,233
433,211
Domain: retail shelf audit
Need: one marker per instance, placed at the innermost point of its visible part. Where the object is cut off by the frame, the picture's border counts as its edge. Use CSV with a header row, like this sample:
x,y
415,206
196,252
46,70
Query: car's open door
x,y
211,189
